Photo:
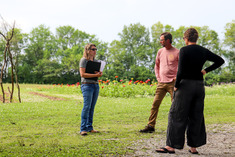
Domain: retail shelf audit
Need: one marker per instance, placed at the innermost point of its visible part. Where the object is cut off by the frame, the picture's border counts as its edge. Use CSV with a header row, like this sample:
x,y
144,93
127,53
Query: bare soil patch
x,y
7,98
220,143
46,96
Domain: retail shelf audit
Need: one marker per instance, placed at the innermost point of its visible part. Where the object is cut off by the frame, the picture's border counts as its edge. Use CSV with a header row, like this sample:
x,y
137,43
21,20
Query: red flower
x,y
147,80
121,80
102,87
116,76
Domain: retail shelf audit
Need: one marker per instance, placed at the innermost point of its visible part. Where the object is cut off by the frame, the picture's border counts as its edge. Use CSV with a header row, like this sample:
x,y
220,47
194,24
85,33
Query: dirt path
x,y
220,143
46,96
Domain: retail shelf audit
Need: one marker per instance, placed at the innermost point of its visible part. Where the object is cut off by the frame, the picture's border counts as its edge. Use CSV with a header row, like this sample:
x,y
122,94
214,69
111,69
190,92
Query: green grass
x,y
42,127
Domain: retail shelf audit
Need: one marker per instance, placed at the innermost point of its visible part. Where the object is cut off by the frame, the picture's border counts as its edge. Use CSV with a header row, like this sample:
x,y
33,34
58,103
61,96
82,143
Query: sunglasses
x,y
93,49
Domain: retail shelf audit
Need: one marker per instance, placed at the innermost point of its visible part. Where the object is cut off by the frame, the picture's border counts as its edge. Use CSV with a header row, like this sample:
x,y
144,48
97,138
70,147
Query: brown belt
x,y
88,83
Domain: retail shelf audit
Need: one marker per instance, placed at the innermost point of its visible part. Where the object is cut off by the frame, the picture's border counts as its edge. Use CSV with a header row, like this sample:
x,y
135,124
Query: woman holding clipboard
x,y
89,71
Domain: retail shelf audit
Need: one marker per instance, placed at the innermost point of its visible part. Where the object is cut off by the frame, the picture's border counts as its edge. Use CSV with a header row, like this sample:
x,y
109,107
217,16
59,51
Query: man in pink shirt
x,y
165,70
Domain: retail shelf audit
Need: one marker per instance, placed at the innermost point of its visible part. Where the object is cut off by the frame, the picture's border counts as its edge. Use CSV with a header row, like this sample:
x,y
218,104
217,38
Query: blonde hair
x,y
86,50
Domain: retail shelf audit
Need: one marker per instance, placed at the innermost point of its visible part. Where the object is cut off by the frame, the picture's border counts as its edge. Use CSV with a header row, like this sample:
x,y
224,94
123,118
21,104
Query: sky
x,y
106,18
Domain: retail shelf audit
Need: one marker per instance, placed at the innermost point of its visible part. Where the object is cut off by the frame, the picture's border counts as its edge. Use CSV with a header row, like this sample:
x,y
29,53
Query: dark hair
x,y
191,34
167,35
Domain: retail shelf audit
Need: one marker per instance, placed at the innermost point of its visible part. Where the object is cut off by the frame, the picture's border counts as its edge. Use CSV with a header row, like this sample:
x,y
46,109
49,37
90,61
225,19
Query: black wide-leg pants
x,y
186,113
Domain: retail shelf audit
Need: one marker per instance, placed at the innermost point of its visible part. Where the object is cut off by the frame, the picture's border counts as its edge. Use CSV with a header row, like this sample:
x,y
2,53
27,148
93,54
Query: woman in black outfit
x,y
186,111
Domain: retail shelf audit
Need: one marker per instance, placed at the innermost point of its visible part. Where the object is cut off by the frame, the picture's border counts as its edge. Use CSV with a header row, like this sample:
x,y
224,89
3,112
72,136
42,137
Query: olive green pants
x,y
162,89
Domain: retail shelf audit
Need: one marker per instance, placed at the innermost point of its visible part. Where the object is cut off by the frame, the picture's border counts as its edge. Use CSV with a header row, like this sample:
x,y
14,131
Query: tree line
x,y
45,58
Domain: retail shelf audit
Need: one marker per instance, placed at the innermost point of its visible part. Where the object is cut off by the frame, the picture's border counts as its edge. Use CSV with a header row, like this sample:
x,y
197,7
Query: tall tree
x,y
229,43
132,51
177,36
41,45
17,45
116,63
208,38
66,37
136,41
71,44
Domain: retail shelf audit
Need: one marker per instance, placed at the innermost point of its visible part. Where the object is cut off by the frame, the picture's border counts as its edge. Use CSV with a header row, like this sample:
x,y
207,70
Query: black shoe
x,y
148,129
164,150
193,152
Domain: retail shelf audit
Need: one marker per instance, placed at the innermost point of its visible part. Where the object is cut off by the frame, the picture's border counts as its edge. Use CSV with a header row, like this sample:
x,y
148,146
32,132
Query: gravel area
x,y
220,143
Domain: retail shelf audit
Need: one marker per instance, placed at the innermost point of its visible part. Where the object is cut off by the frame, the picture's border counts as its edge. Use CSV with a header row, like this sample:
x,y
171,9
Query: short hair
x,y
167,35
191,34
86,50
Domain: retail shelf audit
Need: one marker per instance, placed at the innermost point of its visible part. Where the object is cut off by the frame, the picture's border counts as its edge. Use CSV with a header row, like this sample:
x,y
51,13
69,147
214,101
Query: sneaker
x,y
148,129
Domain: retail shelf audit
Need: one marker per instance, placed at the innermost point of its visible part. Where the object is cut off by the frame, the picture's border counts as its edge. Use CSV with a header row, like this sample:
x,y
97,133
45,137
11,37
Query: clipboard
x,y
91,67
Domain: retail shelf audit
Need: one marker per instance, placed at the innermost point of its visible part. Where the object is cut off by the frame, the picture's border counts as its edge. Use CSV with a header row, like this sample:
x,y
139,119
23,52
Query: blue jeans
x,y
90,94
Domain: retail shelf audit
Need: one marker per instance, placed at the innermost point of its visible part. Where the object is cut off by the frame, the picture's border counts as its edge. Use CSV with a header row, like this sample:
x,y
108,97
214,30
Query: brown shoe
x,y
83,133
148,129
94,131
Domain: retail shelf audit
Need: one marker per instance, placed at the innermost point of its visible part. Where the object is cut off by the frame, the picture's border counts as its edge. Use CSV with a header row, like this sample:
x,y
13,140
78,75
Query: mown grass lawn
x,y
40,126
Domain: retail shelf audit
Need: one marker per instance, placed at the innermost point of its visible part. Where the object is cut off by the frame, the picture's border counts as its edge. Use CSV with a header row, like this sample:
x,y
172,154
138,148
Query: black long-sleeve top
x,y
191,61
